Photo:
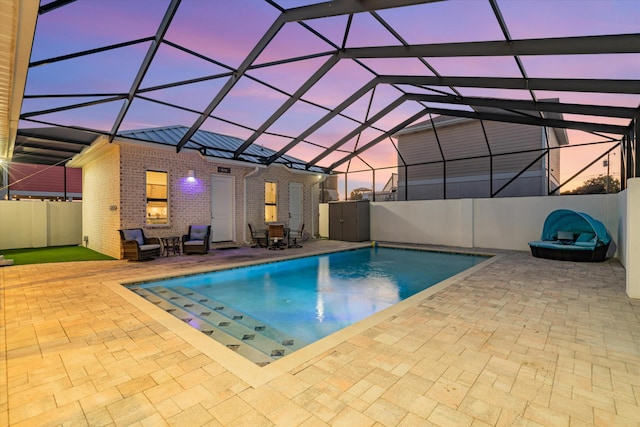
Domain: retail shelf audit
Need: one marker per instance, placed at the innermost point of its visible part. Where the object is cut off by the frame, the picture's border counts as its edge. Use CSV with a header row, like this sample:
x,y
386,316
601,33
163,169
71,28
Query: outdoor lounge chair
x,y
295,235
197,240
258,237
572,236
136,246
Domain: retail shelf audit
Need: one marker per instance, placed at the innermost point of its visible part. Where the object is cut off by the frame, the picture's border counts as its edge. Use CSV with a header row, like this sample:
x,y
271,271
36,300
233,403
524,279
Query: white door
x,y
222,208
295,205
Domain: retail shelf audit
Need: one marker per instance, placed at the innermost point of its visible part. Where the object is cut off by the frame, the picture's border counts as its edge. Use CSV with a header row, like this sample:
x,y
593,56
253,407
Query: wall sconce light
x,y
191,175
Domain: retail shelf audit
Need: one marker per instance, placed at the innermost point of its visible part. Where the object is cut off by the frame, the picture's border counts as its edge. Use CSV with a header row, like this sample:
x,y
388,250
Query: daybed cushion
x,y
585,237
585,246
565,235
590,244
134,235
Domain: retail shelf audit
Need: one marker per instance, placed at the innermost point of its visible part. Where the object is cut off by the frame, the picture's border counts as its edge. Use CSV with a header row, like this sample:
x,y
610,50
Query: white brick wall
x,y
100,191
117,178
189,203
282,177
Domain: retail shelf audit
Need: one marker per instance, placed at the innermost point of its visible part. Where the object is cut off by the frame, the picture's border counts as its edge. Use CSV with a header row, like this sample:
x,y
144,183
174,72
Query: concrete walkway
x,y
517,341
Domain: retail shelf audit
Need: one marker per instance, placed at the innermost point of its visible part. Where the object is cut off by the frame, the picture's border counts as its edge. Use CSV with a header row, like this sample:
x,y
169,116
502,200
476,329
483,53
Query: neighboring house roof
x,y
214,144
43,180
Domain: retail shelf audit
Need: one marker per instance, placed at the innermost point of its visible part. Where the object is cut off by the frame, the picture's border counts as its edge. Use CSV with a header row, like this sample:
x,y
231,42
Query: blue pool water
x,y
310,298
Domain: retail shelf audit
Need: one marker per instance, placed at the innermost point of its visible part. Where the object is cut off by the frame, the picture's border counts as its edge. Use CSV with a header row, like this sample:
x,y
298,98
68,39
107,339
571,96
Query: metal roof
x,y
213,145
324,82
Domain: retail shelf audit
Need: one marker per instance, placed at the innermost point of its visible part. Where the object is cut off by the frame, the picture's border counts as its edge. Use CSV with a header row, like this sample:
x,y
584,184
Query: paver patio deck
x,y
519,341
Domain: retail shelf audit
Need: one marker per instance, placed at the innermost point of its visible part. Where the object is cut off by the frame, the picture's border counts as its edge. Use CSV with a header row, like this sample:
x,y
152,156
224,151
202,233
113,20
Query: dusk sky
x,y
226,30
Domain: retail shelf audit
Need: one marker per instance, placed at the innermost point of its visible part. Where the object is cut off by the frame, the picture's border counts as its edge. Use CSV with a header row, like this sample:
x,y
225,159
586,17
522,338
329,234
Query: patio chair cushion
x,y
194,242
198,233
134,234
149,247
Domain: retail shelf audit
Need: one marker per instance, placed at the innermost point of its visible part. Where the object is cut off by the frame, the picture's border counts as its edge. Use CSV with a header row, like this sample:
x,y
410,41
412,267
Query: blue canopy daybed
x,y
572,236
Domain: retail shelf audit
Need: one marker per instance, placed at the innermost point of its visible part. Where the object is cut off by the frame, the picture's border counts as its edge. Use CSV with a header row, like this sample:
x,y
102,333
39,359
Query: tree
x,y
598,185
357,193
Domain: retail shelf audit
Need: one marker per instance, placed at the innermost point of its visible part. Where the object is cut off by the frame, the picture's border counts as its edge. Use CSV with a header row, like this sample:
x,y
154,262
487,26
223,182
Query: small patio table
x,y
170,244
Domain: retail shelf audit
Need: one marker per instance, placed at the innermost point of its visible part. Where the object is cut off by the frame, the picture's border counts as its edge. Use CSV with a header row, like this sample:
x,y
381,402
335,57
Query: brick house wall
x,y
282,176
114,190
189,203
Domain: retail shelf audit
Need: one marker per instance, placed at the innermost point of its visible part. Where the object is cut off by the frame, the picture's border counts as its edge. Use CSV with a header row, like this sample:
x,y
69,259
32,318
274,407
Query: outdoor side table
x,y
170,245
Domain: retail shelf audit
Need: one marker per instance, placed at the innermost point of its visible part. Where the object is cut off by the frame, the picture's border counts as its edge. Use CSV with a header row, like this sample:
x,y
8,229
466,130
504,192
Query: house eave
x,y
17,26
90,153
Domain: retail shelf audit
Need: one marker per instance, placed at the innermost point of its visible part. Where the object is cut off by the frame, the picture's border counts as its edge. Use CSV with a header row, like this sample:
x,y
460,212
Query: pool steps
x,y
247,336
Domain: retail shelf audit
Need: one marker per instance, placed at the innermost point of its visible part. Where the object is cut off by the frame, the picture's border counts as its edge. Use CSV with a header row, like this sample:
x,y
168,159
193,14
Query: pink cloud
x,y
551,18
90,24
444,22
220,29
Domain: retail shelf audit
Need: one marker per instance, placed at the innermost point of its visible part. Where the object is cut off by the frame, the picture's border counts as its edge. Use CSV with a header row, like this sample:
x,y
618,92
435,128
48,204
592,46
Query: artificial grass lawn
x,y
52,254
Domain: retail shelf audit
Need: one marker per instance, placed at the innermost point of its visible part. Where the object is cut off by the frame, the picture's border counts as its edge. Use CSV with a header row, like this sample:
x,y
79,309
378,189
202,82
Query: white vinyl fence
x,y
36,224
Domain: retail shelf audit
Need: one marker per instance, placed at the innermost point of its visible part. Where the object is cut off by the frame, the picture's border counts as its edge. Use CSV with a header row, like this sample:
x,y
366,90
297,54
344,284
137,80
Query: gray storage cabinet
x,y
349,221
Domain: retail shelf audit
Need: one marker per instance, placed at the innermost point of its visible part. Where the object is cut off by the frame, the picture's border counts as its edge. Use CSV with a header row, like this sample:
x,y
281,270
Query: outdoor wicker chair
x,y
136,246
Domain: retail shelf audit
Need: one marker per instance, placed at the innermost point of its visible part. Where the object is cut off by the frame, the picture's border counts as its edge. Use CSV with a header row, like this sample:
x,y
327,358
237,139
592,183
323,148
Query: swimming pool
x,y
267,311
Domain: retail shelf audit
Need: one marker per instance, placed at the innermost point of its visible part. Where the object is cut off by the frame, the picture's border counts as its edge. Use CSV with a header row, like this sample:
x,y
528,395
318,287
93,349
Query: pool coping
x,y
255,375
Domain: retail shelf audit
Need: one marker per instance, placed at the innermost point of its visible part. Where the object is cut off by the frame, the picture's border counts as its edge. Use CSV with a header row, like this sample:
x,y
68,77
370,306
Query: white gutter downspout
x,y
322,179
244,210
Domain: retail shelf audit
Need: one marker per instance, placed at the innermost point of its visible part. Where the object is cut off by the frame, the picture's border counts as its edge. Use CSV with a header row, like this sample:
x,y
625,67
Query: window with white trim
x,y
270,202
157,197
